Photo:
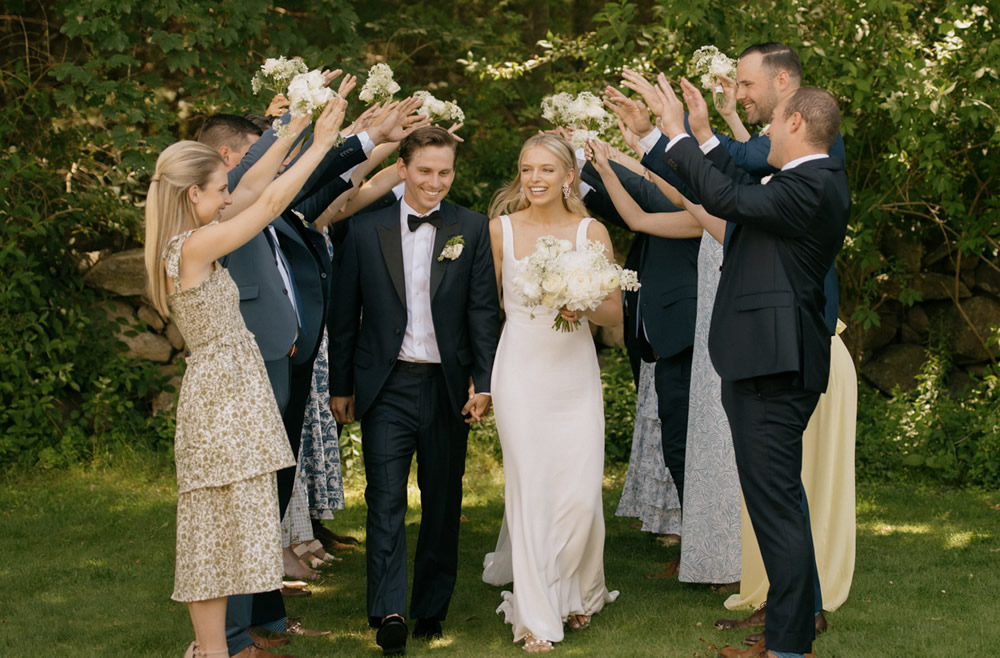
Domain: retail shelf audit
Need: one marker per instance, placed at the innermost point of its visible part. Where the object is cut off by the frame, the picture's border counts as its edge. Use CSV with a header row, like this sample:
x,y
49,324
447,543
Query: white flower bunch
x,y
379,86
308,93
276,73
557,276
708,63
584,112
438,110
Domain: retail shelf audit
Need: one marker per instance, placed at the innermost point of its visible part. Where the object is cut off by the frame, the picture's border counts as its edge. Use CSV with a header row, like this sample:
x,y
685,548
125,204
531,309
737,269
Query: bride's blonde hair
x,y
509,198
169,209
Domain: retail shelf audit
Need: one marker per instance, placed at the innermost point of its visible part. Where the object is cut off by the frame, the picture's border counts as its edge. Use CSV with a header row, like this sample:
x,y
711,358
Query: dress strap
x,y
172,254
581,231
508,237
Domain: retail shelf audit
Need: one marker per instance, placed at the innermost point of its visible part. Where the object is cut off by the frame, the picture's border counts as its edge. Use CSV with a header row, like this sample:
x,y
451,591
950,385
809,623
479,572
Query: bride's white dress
x,y
549,413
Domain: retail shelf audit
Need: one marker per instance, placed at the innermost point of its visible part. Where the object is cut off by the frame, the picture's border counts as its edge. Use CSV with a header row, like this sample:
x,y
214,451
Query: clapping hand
x,y
327,129
633,114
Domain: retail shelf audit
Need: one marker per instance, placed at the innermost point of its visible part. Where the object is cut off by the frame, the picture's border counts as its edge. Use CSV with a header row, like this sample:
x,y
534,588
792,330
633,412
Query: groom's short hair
x,y
426,136
227,130
821,113
776,57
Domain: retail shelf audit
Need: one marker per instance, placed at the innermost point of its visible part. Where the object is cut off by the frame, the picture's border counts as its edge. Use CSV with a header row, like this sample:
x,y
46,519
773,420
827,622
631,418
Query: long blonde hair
x,y
169,209
509,198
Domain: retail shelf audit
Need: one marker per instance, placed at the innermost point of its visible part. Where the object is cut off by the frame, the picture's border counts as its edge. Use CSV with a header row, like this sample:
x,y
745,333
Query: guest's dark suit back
x,y
768,314
370,278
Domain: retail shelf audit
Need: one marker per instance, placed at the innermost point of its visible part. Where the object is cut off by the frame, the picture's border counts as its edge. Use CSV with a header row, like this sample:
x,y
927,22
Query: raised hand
x,y
644,88
697,111
364,120
600,155
633,114
329,76
631,140
327,129
725,102
454,131
398,121
672,115
297,124
278,106
347,85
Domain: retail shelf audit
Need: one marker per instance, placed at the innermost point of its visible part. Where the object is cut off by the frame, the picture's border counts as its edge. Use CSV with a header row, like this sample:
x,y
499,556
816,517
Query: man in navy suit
x,y
414,332
768,339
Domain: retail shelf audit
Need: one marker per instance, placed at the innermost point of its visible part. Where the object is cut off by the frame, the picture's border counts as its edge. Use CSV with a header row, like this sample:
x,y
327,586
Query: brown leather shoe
x,y
295,591
753,638
758,650
267,640
754,620
253,651
670,570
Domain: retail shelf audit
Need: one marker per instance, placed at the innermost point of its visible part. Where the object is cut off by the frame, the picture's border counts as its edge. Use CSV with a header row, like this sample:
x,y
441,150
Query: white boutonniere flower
x,y
766,179
453,248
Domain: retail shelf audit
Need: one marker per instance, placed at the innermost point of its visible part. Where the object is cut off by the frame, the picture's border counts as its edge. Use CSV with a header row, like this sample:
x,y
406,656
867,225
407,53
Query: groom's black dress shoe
x,y
427,629
391,636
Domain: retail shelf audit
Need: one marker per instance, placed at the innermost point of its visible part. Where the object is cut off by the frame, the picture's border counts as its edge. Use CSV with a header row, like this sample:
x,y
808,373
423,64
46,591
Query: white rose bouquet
x,y
584,112
438,110
707,63
379,86
276,73
308,93
557,276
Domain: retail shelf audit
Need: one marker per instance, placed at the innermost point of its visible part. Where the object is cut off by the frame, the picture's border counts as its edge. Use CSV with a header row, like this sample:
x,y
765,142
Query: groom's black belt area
x,y
412,368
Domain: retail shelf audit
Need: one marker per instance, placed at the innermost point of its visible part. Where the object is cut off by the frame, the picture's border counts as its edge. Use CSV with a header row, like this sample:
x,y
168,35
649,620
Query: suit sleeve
x,y
345,314
336,162
313,205
751,155
656,161
254,154
483,311
783,207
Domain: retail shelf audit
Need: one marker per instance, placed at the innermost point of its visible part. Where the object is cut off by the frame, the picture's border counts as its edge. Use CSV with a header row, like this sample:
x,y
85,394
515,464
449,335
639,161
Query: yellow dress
x,y
229,442
828,478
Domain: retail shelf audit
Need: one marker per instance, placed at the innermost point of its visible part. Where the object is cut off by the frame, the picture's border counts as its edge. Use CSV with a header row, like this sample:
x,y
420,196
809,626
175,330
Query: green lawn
x,y
86,569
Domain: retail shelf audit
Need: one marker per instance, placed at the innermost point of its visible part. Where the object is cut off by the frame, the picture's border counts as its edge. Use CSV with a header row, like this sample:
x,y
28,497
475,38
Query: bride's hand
x,y
571,316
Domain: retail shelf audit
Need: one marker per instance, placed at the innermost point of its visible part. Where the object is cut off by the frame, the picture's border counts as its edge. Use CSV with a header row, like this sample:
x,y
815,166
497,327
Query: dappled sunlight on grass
x,y
882,528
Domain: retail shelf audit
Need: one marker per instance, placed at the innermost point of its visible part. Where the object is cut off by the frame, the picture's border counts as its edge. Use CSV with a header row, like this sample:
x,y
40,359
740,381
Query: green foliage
x,y
619,405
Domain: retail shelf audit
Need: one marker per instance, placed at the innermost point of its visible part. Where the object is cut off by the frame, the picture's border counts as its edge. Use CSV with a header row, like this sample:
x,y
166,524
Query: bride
x,y
549,414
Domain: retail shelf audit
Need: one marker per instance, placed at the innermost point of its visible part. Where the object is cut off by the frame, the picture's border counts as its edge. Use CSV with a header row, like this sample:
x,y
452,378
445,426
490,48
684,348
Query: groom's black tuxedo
x,y
408,407
771,346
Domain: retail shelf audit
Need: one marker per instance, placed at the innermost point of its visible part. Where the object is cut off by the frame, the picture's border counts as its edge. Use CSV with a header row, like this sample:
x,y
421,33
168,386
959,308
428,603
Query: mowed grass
x,y
87,557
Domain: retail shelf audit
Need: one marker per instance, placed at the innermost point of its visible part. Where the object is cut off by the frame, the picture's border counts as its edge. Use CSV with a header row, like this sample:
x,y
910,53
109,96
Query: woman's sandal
x,y
307,553
578,622
533,645
193,651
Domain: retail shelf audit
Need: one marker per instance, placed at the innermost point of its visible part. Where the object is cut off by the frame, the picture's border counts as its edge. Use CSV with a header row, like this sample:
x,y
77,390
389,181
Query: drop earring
x,y
566,190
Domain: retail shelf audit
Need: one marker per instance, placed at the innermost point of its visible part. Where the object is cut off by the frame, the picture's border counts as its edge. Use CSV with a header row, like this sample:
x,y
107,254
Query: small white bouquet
x,y
438,110
379,86
308,93
584,113
276,73
707,63
557,276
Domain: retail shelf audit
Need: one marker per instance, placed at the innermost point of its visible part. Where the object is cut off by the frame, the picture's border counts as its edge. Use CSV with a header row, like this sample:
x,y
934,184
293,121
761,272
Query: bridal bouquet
x,y
707,63
276,73
379,86
308,93
584,112
437,110
557,276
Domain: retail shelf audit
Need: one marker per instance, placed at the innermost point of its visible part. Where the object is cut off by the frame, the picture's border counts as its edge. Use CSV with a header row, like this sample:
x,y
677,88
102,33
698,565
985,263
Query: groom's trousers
x,y
767,416
413,414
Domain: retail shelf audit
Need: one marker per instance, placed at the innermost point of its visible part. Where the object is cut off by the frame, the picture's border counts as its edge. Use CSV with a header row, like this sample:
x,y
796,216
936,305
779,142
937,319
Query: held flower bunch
x,y
379,86
276,73
584,112
707,63
438,110
308,93
557,276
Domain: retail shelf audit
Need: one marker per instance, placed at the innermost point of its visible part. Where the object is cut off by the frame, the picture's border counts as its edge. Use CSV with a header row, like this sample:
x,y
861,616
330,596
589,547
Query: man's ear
x,y
226,154
782,80
796,123
401,168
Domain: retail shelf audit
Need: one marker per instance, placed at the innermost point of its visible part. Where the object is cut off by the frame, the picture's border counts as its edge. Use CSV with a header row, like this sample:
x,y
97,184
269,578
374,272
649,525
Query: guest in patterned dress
x,y
230,439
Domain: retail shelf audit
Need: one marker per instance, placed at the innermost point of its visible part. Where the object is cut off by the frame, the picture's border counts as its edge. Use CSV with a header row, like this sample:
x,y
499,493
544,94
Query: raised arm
x,y
360,198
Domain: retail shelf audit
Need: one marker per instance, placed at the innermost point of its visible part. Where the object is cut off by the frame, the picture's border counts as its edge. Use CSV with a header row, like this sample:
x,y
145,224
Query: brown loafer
x,y
253,651
753,638
295,591
670,570
758,650
754,620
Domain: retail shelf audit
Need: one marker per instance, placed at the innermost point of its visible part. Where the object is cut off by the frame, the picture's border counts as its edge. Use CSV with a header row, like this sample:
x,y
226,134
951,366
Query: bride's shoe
x,y
533,645
578,622
191,650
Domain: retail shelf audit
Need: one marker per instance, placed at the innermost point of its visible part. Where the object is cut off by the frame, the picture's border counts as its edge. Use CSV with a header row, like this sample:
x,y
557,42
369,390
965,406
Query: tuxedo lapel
x,y
392,249
449,229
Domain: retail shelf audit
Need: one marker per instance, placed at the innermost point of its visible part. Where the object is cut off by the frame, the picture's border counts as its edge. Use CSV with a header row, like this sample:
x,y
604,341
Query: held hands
x,y
478,405
343,409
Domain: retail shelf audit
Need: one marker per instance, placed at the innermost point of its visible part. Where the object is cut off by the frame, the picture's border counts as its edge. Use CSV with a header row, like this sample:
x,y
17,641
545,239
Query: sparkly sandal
x,y
578,622
533,645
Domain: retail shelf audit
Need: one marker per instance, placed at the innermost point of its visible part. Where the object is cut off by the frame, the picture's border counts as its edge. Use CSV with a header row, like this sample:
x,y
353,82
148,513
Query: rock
x,y
876,337
151,317
148,346
984,314
959,381
932,285
174,336
988,277
123,273
918,321
165,400
897,366
904,249
908,335
115,310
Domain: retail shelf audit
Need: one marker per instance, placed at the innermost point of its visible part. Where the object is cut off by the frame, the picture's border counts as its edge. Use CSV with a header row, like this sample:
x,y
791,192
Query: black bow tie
x,y
414,221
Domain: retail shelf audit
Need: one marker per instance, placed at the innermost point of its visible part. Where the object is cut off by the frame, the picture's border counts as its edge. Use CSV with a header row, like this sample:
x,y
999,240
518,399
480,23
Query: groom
x,y
414,330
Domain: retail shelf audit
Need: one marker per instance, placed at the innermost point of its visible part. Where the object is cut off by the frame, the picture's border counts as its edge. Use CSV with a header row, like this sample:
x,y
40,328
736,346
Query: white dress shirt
x,y
419,342
286,276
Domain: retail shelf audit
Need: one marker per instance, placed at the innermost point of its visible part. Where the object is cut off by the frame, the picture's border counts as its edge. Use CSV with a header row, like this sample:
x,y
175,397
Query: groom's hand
x,y
477,407
343,409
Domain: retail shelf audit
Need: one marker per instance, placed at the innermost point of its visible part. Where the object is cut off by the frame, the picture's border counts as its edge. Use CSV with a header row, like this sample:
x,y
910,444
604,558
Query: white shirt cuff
x,y
347,174
581,159
673,141
709,144
649,141
584,189
367,145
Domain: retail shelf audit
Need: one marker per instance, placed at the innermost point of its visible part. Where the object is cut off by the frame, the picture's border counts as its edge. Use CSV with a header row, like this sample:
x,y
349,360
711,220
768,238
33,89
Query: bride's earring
x,y
566,190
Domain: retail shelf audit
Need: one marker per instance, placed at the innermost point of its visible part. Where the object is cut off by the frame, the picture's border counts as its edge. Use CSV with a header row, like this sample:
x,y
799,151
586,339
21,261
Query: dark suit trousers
x,y
673,388
767,415
413,414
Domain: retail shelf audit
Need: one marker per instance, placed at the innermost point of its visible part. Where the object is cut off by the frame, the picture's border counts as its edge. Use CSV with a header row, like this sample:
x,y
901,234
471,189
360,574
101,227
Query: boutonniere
x,y
766,179
452,249
764,131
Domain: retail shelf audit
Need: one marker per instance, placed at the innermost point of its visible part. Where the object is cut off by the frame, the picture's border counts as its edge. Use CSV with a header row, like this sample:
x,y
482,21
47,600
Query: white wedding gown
x,y
549,413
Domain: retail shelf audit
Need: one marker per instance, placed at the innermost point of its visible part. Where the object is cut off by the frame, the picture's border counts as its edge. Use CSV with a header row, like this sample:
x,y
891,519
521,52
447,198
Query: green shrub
x,y
619,405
